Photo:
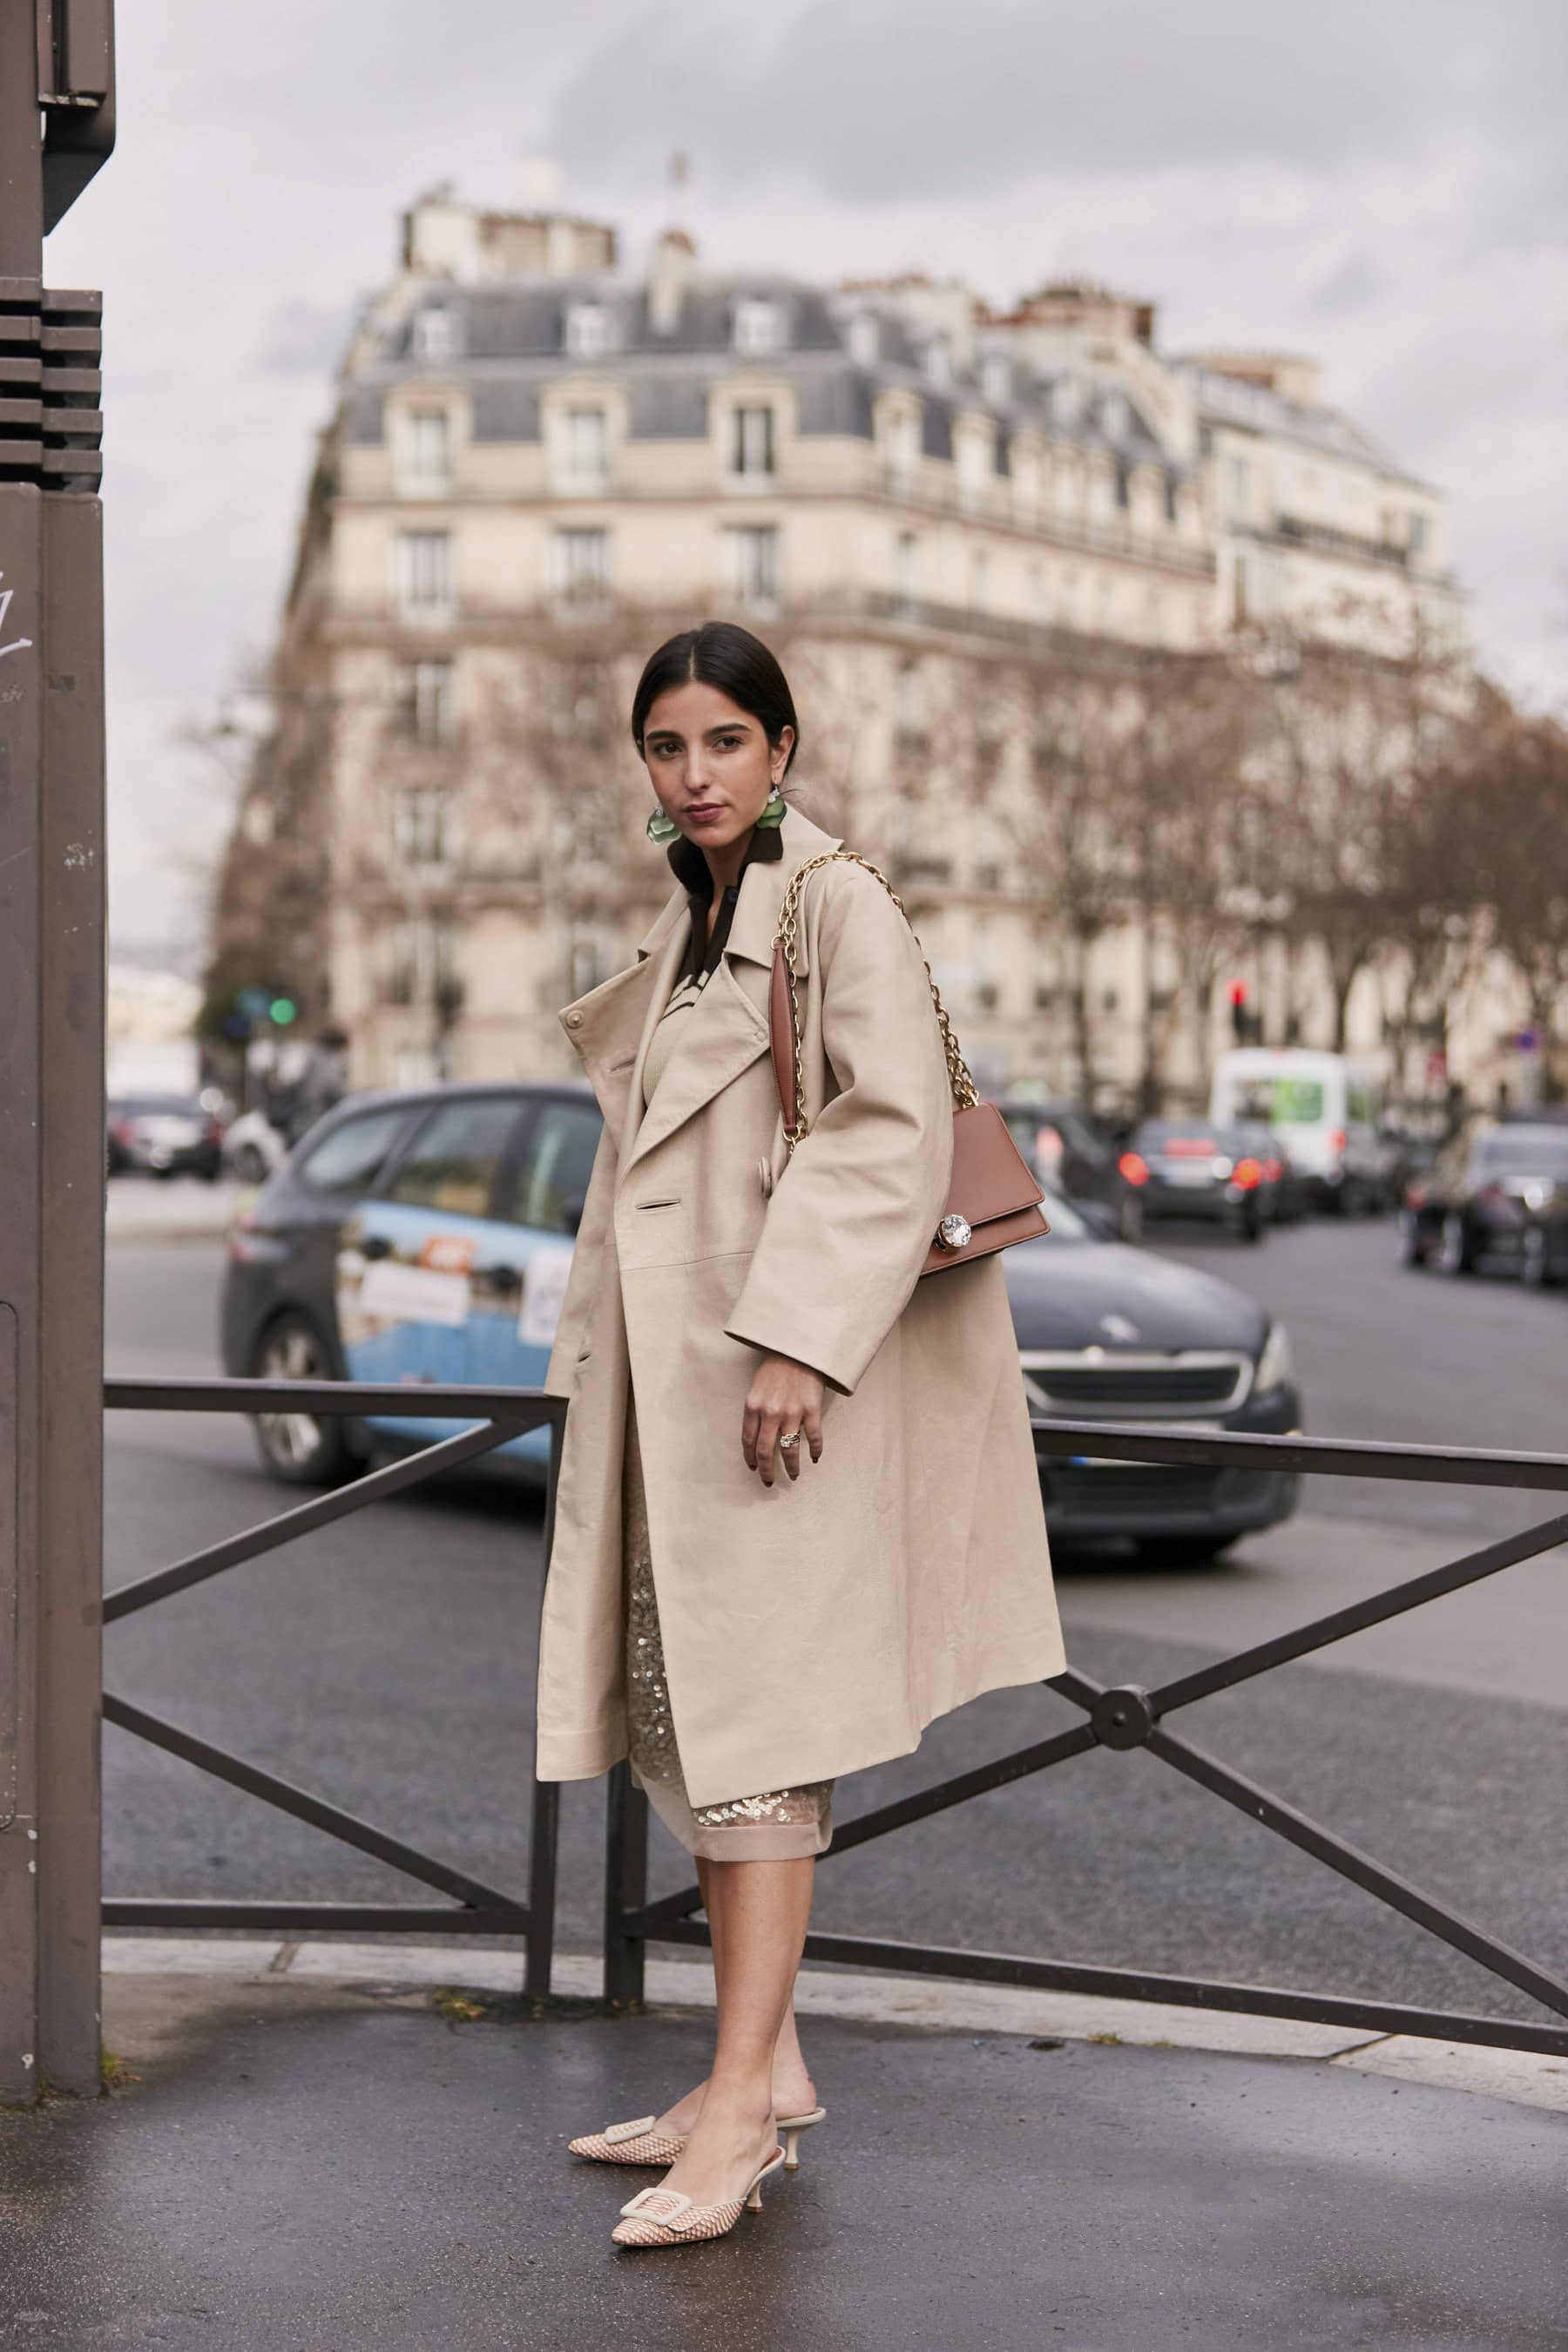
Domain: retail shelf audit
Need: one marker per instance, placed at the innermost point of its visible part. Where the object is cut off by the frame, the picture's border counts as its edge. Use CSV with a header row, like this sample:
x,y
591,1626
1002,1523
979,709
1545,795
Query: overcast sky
x,y
1381,186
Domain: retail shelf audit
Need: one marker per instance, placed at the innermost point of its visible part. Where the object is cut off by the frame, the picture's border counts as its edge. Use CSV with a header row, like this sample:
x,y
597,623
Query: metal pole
x,y
626,1889
53,58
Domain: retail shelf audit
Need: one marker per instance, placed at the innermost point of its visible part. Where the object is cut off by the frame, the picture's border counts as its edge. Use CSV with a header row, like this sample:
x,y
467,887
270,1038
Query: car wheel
x,y
1129,1219
1534,1265
249,1165
1412,1240
1455,1251
1181,1552
297,1447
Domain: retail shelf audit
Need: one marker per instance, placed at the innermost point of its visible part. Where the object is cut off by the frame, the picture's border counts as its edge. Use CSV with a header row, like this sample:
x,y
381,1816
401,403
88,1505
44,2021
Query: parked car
x,y
1192,1168
1283,1191
165,1135
426,1236
1064,1151
1495,1201
1326,1108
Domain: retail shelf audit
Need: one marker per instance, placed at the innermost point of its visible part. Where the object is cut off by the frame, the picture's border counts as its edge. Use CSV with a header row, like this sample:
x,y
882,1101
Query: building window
x,y
1105,609
759,326
751,565
907,570
423,829
585,445
909,707
979,582
582,566
1417,538
751,445
1238,484
999,381
1115,417
938,361
425,701
425,451
433,335
587,330
423,959
865,339
424,590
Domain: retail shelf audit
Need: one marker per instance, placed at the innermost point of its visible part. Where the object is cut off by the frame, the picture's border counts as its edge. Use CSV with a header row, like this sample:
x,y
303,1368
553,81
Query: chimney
x,y
674,263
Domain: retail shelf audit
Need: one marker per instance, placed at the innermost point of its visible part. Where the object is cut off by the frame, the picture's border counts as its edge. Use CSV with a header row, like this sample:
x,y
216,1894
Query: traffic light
x,y
282,1011
1238,993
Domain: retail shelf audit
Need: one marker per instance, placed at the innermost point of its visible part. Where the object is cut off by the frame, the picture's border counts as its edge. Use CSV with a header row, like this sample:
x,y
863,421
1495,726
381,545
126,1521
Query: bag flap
x,y
990,1175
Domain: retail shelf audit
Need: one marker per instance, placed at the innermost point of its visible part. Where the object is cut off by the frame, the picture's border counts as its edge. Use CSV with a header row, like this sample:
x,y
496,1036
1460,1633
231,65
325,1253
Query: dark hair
x,y
720,654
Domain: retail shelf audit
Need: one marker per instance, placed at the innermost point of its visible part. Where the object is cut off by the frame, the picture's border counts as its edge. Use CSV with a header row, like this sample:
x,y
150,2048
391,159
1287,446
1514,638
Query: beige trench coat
x,y
814,1628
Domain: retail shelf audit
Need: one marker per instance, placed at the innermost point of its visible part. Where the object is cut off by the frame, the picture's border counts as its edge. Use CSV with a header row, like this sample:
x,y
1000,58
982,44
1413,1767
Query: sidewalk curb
x,y
1522,2077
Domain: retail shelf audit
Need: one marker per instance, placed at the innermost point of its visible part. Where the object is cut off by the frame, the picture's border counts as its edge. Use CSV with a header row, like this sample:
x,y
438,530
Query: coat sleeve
x,y
851,1217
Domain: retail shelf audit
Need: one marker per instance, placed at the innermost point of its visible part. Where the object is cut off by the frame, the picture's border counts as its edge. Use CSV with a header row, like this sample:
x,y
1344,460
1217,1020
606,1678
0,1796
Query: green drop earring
x,y
661,829
773,813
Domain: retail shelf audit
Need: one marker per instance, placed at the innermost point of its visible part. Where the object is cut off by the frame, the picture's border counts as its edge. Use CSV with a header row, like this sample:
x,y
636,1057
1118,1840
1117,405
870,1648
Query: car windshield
x,y
1524,1150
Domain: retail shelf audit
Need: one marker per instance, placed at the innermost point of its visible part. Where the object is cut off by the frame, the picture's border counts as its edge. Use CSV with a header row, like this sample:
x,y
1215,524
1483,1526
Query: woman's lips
x,y
704,812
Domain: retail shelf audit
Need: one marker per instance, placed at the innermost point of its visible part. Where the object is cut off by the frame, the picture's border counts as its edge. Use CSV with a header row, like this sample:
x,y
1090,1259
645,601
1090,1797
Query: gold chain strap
x,y
965,1093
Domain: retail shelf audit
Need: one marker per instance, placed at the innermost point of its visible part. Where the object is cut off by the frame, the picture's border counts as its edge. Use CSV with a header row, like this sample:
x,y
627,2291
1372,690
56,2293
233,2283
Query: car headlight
x,y
1276,1365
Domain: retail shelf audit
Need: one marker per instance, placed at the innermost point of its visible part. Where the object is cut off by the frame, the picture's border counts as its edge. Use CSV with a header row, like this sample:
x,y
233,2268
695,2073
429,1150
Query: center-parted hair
x,y
730,659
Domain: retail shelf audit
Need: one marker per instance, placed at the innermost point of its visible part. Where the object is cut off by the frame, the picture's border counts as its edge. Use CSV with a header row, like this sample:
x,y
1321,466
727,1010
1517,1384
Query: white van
x,y
1326,1110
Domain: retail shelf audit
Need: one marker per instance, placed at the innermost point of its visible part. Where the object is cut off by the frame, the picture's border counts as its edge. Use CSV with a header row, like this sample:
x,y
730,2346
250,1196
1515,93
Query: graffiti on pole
x,y
17,644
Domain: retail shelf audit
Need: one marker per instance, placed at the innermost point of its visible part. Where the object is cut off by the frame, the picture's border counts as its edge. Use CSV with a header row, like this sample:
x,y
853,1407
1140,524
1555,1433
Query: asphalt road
x,y
388,1663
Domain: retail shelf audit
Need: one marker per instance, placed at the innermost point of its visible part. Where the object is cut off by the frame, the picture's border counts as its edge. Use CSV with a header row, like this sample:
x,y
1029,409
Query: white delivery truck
x,y
1326,1111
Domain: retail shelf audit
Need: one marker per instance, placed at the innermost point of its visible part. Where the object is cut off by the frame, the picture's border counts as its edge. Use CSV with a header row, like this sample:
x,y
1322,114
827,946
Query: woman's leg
x,y
759,1912
795,2094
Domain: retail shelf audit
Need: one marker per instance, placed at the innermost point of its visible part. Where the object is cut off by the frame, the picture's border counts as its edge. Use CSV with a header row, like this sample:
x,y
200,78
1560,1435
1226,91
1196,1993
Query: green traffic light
x,y
282,1010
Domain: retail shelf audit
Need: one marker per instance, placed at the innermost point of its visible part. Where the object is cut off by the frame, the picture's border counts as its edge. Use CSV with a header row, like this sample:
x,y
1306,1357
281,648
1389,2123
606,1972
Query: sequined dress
x,y
778,1824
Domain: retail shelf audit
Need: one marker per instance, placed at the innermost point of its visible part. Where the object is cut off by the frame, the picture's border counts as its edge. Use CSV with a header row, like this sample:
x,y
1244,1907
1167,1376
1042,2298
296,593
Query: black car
x,y
426,1236
165,1135
1064,1152
1495,1201
1190,1168
1283,1191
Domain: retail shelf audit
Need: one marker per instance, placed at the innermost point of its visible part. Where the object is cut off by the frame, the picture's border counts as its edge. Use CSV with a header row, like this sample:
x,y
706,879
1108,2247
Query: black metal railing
x,y
1127,1717
475,1909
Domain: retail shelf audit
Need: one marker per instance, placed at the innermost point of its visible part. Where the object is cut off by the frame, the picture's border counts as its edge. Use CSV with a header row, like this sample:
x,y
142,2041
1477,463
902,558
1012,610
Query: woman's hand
x,y
784,1395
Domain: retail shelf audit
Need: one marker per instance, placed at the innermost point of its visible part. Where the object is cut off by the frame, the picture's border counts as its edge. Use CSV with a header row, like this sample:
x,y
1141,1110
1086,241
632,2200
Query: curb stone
x,y
1522,2077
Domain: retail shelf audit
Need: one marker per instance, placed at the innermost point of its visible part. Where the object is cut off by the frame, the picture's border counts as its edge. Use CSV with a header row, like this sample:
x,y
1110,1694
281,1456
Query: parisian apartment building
x,y
541,461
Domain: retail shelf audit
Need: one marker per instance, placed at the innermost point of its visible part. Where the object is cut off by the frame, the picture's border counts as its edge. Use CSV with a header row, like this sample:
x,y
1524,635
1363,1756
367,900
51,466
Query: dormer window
x,y
434,334
759,326
939,361
588,330
999,381
424,452
865,339
1115,417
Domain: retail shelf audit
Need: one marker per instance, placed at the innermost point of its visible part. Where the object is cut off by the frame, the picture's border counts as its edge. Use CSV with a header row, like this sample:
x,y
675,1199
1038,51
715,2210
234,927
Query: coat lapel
x,y
727,1028
609,1028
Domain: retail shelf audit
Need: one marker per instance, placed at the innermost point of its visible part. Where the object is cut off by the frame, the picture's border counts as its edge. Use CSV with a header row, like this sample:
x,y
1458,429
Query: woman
x,y
798,1514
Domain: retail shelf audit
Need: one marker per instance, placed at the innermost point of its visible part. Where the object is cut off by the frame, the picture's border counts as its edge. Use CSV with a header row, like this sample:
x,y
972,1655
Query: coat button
x,y
573,1021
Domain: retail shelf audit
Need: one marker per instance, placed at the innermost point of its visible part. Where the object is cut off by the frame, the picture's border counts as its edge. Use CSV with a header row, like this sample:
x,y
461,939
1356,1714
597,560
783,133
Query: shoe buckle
x,y
668,2207
616,2133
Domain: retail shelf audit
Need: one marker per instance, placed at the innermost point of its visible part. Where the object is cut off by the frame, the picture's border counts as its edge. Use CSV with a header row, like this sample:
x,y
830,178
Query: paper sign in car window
x,y
447,1253
413,1293
544,1290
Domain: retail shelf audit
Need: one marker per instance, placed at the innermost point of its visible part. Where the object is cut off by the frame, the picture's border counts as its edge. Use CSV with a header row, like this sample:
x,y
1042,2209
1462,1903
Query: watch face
x,y
954,1233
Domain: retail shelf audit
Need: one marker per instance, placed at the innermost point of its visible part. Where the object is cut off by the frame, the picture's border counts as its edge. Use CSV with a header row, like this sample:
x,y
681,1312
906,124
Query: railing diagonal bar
x,y
1260,1805
1376,1610
304,1807
322,1511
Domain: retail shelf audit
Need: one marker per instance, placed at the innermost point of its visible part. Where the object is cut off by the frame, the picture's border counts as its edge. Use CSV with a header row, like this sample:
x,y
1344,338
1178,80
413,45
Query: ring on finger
x,y
788,1437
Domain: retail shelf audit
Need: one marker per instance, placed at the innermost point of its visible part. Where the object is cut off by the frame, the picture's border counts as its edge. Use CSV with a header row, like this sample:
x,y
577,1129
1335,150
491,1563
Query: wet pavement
x,y
305,2164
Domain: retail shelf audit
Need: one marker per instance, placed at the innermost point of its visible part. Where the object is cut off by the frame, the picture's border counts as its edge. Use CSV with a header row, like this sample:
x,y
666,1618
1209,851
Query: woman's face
x,y
711,762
